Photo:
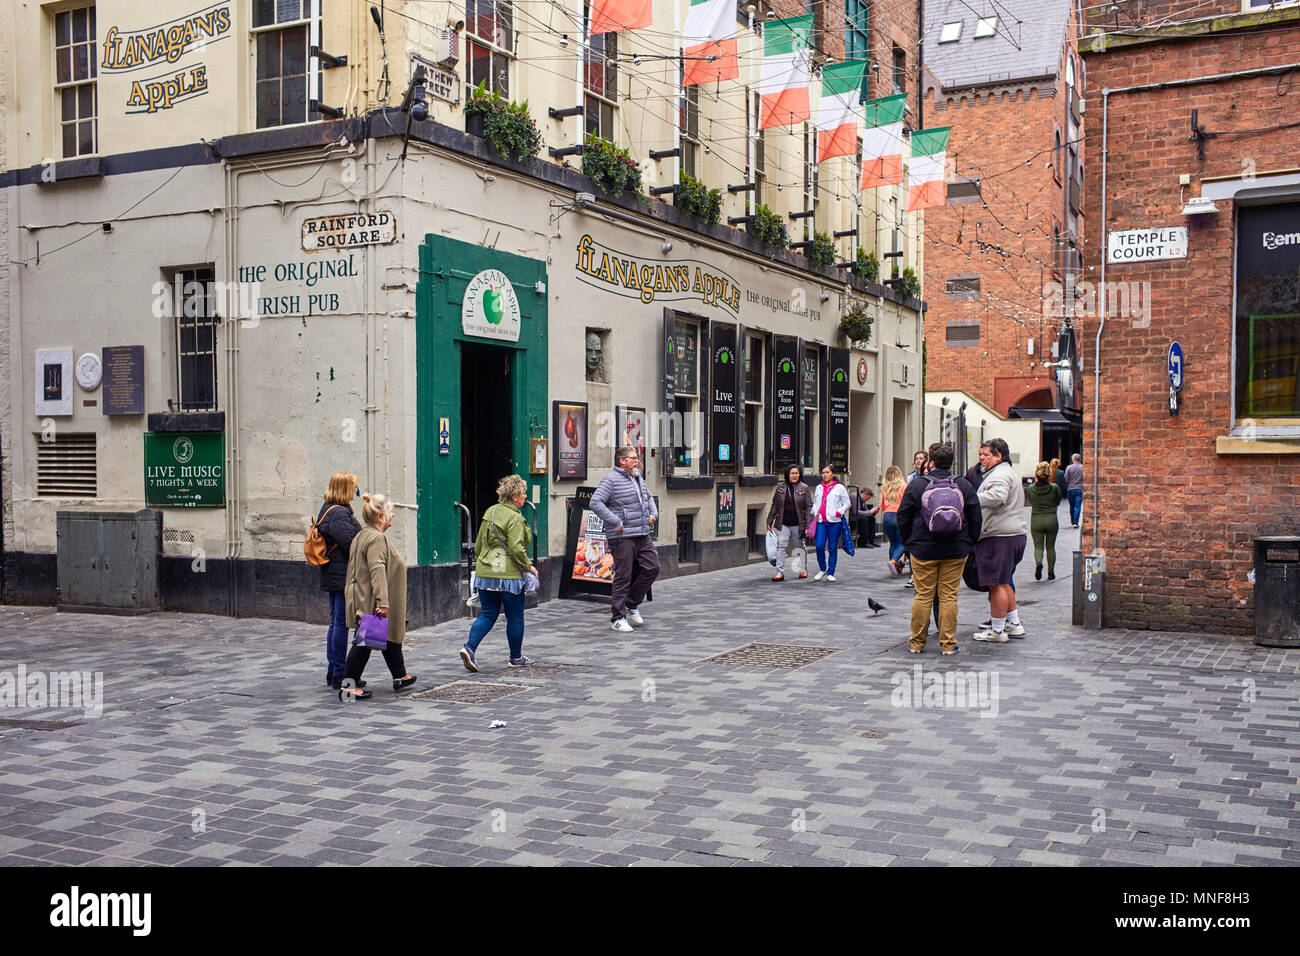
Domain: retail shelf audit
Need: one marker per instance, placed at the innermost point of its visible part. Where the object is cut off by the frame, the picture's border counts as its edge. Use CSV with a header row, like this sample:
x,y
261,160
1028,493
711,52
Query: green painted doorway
x,y
492,394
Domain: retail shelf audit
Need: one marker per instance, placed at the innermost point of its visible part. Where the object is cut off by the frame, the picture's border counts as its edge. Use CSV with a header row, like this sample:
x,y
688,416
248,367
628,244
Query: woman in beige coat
x,y
376,584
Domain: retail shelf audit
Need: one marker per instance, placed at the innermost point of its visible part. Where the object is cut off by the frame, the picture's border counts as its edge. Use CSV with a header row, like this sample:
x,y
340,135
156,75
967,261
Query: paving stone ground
x,y
220,745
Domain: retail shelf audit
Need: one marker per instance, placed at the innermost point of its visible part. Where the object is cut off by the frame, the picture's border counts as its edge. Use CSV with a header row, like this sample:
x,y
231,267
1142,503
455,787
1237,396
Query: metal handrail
x,y
466,543
533,508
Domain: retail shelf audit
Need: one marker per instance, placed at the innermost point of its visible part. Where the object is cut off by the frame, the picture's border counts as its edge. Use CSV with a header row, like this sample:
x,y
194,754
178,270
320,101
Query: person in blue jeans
x,y
891,496
830,504
338,526
501,566
1074,488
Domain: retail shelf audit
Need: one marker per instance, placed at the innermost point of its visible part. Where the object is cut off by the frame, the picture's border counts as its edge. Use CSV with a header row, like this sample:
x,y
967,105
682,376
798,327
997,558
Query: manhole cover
x,y
873,735
772,655
38,724
470,692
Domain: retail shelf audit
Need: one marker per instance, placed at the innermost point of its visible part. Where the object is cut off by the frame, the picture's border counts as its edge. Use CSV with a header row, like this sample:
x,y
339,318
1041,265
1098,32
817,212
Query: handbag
x,y
372,632
504,554
531,582
846,537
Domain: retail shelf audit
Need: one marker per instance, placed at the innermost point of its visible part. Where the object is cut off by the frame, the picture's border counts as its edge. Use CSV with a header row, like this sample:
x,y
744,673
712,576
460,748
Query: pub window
x,y
1268,320
489,43
686,389
195,328
753,443
284,30
808,415
689,123
75,88
600,82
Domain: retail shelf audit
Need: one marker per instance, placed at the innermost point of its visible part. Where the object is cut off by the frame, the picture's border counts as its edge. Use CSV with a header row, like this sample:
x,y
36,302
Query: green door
x,y
490,417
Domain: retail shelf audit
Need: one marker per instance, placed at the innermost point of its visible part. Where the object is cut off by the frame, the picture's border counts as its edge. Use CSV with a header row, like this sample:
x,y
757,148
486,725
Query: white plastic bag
x,y
772,545
798,562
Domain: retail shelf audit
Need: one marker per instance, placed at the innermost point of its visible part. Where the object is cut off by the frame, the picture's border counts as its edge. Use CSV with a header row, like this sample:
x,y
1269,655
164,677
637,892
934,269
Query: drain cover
x,y
772,655
38,724
873,735
470,692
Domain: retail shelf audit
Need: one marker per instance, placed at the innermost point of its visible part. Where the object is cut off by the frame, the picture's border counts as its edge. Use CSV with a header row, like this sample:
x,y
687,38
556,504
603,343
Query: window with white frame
x,y
951,32
985,27
600,82
686,385
75,71
758,172
689,123
195,307
284,31
489,44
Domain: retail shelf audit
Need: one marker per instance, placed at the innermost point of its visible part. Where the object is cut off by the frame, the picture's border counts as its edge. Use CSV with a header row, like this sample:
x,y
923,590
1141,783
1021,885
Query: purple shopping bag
x,y
372,632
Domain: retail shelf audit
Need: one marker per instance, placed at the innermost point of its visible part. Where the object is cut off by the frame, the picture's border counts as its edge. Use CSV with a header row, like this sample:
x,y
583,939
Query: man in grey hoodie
x,y
623,502
1002,540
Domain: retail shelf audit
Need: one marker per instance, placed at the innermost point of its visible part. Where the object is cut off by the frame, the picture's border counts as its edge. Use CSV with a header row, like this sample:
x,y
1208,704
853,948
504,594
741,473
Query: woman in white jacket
x,y
830,503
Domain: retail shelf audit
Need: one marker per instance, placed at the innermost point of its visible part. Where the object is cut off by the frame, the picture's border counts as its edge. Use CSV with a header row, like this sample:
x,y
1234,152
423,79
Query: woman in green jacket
x,y
375,584
500,565
1044,496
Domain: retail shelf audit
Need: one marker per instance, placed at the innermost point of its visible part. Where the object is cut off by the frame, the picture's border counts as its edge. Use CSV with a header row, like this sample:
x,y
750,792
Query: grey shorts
x,y
997,558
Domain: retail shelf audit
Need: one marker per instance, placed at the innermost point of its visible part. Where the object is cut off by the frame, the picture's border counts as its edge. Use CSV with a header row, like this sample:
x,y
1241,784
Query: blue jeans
x,y
336,638
892,533
1075,495
828,536
493,604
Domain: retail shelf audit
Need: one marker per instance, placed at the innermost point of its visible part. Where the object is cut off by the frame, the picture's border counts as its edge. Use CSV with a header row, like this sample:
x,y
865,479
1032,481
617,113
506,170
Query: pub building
x,y
387,295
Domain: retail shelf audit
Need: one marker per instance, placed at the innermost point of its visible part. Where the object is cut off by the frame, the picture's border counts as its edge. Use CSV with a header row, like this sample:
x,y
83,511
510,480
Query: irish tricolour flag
x,y
837,115
926,186
882,141
610,16
783,82
709,39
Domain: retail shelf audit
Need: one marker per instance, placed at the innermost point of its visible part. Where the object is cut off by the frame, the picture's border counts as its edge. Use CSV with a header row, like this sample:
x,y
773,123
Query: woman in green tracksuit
x,y
1044,498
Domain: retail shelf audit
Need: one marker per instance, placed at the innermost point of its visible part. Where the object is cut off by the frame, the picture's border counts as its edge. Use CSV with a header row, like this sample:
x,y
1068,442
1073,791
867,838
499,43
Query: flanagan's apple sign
x,y
490,309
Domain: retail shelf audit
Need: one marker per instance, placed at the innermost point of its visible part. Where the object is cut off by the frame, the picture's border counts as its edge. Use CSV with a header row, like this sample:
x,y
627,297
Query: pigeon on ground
x,y
875,606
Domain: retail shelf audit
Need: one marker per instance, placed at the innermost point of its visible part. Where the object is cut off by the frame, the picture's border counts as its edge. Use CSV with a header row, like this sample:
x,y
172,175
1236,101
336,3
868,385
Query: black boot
x,y
1038,572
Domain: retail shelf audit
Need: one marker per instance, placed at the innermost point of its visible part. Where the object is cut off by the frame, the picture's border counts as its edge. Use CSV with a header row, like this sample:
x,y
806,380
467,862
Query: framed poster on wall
x,y
632,430
54,381
569,431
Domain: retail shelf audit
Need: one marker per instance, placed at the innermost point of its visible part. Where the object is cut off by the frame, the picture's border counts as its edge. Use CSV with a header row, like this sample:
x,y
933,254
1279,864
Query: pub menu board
x,y
785,392
837,401
686,358
123,379
725,381
726,520
569,431
588,562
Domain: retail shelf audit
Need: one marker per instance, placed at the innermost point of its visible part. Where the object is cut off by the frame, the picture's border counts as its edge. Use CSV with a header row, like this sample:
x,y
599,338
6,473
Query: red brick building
x,y
1191,105
999,256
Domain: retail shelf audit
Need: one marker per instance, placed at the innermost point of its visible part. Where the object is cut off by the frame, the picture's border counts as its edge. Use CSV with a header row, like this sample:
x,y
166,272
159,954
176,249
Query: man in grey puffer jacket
x,y
623,502
1002,540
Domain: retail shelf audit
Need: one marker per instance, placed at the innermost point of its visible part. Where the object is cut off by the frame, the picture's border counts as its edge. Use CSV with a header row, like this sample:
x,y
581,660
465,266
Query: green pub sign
x,y
185,470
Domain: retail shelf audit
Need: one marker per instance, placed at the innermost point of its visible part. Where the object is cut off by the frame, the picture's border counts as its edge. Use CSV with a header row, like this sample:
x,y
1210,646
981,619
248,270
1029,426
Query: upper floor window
x,y
985,27
855,29
285,31
900,69
689,122
74,80
489,43
951,32
759,171
600,81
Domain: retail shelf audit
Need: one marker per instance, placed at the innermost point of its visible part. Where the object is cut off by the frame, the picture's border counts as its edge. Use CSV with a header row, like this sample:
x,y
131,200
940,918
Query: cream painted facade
x,y
323,375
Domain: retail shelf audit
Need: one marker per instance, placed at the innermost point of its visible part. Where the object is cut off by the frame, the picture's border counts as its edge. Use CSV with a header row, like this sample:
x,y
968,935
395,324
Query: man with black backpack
x,y
940,521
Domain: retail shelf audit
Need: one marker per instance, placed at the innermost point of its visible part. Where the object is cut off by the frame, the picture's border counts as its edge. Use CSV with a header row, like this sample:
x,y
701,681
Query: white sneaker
x,y
636,620
819,575
1015,630
621,625
830,578
990,635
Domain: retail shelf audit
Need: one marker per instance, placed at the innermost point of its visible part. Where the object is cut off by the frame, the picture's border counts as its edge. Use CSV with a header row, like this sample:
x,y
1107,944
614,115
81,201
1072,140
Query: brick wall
x,y
994,136
1177,520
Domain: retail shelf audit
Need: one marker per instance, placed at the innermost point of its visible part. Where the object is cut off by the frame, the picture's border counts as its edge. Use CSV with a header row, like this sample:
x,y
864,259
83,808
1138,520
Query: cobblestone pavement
x,y
219,743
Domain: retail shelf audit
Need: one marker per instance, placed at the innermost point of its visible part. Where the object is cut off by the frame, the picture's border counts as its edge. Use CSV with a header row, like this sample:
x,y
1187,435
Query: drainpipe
x,y
1106,93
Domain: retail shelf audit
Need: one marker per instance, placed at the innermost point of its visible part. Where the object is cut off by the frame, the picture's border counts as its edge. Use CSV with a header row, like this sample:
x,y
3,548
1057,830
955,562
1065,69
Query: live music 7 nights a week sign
x,y
724,385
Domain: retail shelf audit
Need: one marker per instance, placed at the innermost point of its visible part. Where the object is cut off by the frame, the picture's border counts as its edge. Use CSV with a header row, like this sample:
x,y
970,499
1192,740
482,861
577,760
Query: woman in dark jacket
x,y
789,516
338,526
